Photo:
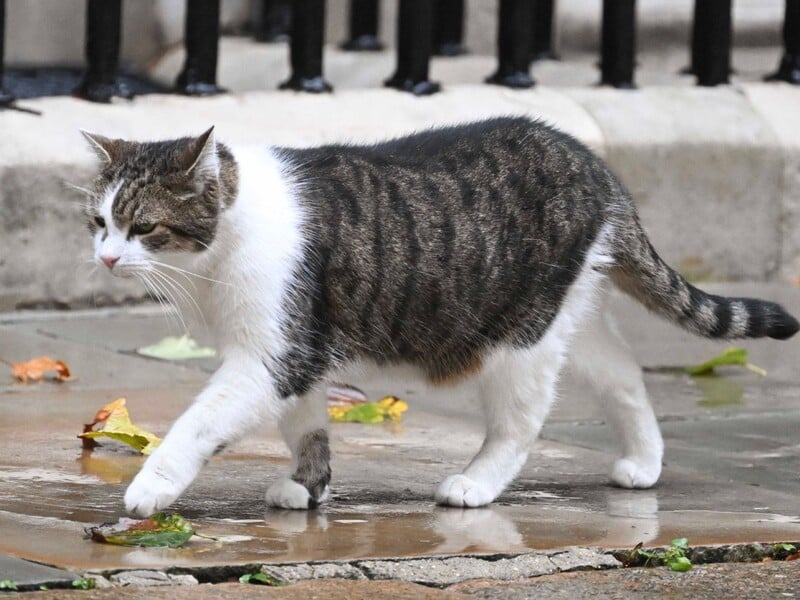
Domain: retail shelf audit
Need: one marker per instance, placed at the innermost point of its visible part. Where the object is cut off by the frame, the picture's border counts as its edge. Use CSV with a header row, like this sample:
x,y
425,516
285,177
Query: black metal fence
x,y
424,28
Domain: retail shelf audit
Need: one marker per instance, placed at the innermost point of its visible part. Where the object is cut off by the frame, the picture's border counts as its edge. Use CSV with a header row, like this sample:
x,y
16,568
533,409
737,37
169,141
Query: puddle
x,y
719,391
339,533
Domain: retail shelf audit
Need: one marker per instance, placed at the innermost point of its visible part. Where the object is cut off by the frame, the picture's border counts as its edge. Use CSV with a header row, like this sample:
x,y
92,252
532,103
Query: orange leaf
x,y
35,369
795,556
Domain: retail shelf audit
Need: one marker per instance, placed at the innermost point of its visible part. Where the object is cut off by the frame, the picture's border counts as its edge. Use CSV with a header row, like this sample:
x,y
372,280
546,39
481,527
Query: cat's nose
x,y
109,261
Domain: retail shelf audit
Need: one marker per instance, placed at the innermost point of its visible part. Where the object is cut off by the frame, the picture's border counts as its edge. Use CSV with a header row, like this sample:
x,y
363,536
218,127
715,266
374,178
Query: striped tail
x,y
640,272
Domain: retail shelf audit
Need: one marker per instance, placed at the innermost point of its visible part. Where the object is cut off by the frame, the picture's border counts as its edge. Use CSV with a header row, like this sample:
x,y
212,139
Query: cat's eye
x,y
142,228
100,222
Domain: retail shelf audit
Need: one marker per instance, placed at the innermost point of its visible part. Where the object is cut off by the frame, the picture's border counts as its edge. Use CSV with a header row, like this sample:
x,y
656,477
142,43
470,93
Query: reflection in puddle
x,y
111,469
468,530
719,391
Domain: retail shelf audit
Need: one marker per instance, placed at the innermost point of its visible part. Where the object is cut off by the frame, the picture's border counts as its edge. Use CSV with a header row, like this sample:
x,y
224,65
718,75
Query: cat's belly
x,y
365,371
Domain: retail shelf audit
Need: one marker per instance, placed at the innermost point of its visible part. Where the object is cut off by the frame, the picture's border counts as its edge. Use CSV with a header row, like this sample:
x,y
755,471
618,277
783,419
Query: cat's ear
x,y
106,149
200,157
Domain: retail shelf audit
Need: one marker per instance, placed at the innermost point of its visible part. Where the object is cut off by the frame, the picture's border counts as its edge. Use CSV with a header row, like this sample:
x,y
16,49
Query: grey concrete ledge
x,y
444,571
715,171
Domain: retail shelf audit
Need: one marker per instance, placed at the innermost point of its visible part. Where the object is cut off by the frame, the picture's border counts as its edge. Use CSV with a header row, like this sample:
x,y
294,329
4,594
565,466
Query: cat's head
x,y
151,200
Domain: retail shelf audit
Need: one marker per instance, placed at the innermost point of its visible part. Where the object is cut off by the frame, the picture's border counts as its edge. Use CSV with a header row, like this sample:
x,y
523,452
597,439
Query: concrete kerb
x,y
441,571
711,169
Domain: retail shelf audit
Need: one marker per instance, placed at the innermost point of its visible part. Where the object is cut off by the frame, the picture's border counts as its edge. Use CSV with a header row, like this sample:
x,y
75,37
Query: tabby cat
x,y
474,253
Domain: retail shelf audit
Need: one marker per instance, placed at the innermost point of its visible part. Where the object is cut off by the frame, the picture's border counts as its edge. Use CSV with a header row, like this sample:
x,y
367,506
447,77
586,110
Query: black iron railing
x,y
424,28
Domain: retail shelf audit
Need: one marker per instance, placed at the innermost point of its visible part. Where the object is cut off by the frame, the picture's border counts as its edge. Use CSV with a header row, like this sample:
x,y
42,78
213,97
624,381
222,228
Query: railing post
x,y
307,38
199,75
711,55
103,22
618,47
5,98
789,68
542,30
414,47
274,21
514,45
448,28
364,16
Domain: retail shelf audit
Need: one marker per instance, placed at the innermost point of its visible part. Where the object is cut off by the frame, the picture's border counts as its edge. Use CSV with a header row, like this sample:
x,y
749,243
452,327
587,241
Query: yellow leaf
x,y
115,423
389,408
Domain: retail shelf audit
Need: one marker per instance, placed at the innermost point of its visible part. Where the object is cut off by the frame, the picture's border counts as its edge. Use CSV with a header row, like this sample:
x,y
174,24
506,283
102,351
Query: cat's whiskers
x,y
180,291
162,296
186,272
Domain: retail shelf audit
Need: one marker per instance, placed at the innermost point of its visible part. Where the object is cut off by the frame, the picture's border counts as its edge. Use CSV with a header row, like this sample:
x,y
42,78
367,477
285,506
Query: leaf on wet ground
x,y
389,408
674,557
176,348
172,531
113,421
729,358
732,357
35,369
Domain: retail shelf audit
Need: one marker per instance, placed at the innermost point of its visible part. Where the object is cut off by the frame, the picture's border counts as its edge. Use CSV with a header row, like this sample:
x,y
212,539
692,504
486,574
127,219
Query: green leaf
x,y
680,563
7,584
730,357
159,530
785,547
389,408
84,583
682,543
176,348
260,579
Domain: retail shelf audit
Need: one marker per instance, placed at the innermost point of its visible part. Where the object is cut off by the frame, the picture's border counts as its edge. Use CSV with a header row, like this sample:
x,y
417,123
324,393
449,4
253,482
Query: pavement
x,y
730,482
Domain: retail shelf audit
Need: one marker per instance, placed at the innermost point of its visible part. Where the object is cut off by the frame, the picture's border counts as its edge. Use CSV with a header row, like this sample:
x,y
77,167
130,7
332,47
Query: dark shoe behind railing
x,y
424,28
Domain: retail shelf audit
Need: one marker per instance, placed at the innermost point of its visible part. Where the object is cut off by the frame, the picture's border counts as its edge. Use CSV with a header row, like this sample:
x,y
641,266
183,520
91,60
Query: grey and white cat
x,y
475,253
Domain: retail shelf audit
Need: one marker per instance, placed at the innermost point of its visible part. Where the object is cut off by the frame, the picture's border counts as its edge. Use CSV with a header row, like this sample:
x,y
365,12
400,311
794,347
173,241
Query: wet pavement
x,y
732,469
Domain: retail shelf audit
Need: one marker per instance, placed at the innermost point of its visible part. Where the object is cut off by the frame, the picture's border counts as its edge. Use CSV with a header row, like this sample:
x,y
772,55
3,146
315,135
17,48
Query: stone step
x,y
714,171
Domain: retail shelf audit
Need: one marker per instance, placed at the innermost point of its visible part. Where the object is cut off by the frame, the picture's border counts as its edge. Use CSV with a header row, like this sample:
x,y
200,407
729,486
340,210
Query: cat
x,y
476,253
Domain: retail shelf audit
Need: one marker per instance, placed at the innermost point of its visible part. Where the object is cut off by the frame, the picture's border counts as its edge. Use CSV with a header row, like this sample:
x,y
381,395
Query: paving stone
x,y
151,578
27,573
300,572
583,558
451,570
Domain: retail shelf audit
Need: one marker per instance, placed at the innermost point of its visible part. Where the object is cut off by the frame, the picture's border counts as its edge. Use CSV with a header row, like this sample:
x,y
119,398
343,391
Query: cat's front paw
x,y
460,490
287,493
149,493
630,474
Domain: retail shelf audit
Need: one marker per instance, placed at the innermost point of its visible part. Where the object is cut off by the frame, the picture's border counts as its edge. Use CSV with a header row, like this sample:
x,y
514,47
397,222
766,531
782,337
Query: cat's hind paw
x,y
149,493
287,493
460,490
628,474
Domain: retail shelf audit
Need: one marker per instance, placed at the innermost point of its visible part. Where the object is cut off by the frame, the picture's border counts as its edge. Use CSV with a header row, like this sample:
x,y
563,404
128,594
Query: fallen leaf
x,y
159,530
35,369
176,348
731,357
115,423
795,556
389,408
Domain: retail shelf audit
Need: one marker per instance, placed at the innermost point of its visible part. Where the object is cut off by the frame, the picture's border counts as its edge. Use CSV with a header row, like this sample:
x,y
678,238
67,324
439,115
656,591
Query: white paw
x,y
286,493
628,474
150,492
460,490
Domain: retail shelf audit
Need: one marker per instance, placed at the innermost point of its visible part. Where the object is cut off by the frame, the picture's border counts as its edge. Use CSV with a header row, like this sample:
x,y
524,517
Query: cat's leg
x,y
237,398
305,429
602,357
517,390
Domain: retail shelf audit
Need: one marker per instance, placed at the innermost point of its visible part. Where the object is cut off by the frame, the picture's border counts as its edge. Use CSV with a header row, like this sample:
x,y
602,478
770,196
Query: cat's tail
x,y
640,272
